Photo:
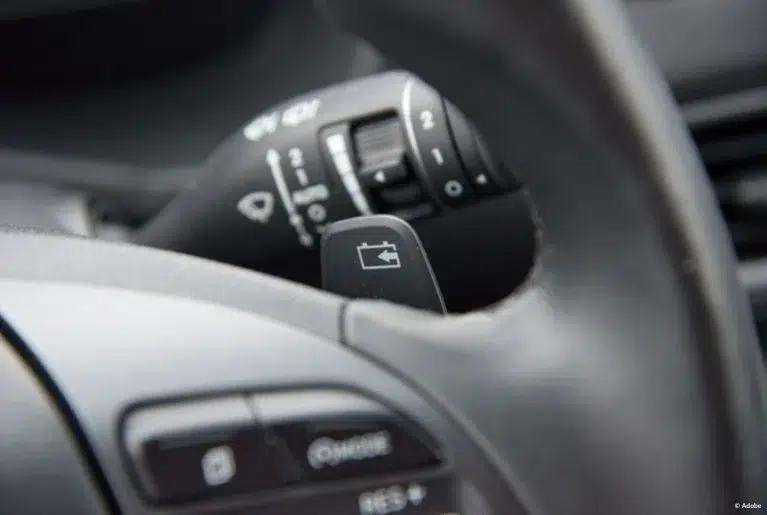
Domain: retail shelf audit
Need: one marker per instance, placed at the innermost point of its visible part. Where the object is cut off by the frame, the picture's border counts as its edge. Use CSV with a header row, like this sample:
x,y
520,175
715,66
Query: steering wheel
x,y
623,377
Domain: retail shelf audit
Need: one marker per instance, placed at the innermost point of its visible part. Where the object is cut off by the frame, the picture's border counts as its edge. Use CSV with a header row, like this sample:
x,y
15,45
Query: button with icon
x,y
202,450
218,465
378,257
335,435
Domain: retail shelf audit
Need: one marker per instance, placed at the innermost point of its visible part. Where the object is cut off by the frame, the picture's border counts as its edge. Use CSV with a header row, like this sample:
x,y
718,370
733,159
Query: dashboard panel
x,y
161,83
705,47
20,9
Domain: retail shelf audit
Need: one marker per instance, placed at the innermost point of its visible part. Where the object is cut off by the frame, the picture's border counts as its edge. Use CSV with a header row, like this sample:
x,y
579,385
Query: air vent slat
x,y
748,193
725,153
734,150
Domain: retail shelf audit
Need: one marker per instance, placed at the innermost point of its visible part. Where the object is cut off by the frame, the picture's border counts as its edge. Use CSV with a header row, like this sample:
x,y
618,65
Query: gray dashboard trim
x,y
19,9
705,47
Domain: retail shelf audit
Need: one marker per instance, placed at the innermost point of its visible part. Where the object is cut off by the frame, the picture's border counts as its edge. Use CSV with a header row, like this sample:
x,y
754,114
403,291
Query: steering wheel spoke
x,y
529,380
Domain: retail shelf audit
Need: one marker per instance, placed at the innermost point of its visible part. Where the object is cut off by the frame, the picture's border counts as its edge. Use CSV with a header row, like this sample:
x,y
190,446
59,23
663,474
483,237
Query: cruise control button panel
x,y
336,435
202,450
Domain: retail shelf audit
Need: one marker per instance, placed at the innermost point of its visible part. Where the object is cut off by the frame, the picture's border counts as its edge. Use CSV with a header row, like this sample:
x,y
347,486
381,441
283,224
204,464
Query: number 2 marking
x,y
296,157
427,120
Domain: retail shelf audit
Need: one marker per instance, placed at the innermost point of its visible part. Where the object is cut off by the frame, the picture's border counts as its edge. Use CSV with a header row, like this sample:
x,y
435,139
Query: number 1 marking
x,y
303,179
438,156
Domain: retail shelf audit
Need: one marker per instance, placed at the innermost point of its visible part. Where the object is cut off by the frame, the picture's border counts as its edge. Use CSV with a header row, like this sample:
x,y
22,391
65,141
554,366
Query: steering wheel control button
x,y
422,496
381,148
429,135
335,435
379,257
202,450
416,497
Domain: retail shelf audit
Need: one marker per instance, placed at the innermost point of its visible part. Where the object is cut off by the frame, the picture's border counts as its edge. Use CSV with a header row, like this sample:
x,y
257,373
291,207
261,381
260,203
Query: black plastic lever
x,y
383,144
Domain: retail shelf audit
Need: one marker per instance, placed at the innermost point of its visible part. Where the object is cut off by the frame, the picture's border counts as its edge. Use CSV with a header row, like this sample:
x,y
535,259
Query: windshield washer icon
x,y
378,257
257,206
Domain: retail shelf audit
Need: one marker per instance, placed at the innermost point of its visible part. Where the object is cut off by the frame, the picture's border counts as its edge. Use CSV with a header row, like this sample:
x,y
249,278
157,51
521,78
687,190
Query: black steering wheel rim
x,y
624,376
